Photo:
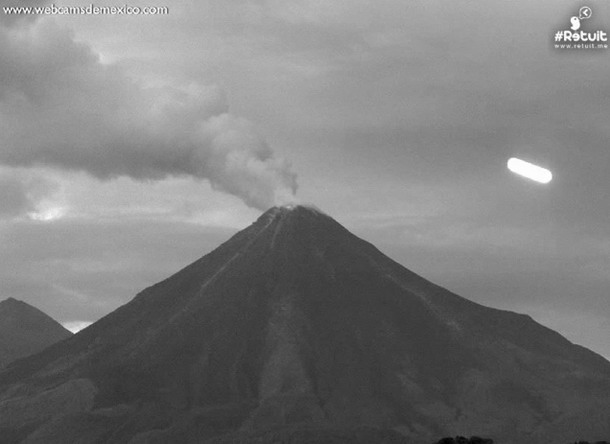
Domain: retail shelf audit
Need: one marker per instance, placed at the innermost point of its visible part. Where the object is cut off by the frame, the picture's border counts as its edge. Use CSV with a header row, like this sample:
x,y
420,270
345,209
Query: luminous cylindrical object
x,y
529,170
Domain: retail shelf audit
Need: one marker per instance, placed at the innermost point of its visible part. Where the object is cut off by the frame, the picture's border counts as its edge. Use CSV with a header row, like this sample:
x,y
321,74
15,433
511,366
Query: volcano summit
x,y
296,329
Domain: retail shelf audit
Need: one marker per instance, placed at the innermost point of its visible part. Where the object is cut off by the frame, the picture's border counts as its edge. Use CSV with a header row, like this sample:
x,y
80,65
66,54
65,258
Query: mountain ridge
x,y
25,330
294,320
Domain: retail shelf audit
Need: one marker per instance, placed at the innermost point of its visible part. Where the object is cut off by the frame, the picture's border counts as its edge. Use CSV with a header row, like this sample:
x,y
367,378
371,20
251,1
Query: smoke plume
x,y
61,107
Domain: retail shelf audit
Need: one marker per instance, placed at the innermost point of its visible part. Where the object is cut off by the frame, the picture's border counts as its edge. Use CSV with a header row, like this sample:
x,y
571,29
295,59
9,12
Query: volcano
x,y
25,330
295,330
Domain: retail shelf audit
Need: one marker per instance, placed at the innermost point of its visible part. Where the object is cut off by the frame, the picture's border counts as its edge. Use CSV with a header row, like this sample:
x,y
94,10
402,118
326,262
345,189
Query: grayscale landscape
x,y
304,222
295,324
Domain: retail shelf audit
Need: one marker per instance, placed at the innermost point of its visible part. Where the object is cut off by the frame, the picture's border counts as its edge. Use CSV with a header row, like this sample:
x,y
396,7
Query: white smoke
x,y
61,107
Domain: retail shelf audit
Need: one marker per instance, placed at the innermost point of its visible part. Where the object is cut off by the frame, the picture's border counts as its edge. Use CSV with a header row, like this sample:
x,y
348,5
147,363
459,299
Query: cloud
x,y
14,198
23,193
61,107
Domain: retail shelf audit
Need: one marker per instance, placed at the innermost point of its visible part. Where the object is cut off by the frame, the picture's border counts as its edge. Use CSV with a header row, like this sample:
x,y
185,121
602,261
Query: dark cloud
x,y
61,107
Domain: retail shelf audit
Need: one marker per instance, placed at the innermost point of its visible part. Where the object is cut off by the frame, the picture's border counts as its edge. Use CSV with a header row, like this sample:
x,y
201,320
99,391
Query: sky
x,y
131,145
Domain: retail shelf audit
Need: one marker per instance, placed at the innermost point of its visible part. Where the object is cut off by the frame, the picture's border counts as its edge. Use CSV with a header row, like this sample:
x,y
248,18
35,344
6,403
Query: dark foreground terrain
x,y
295,331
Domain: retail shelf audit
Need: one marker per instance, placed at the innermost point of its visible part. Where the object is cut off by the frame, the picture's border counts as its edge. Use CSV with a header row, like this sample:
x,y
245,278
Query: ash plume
x,y
60,106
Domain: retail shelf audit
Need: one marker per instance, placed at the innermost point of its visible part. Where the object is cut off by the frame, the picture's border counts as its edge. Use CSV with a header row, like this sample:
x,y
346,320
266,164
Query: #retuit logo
x,y
577,37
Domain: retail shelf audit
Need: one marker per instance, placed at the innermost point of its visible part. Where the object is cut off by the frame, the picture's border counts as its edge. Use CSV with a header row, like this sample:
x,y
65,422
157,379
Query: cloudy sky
x,y
132,145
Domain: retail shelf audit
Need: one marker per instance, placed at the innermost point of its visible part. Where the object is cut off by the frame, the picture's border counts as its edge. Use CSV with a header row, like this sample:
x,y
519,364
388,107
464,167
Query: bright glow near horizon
x,y
76,326
529,170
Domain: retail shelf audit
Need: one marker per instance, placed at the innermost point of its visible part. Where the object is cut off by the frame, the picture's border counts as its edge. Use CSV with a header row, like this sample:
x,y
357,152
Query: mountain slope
x,y
296,322
25,330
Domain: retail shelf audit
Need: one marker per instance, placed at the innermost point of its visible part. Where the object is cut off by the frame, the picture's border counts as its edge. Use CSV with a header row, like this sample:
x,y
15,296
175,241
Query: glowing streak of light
x,y
529,170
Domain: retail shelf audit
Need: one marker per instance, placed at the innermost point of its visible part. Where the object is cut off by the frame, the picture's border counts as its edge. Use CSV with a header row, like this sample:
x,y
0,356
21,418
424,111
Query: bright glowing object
x,y
529,170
